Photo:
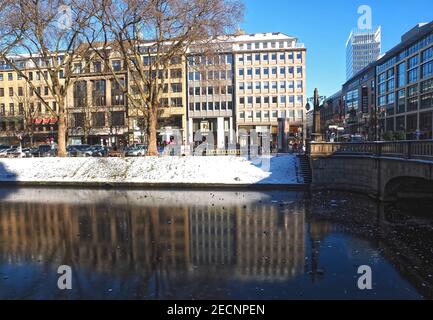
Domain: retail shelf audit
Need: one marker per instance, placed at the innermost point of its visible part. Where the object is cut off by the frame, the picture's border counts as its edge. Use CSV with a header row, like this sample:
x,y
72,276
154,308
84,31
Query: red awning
x,y
53,120
37,121
46,121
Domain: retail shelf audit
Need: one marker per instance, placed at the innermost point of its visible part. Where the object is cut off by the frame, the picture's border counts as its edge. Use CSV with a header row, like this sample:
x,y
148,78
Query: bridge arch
x,y
408,187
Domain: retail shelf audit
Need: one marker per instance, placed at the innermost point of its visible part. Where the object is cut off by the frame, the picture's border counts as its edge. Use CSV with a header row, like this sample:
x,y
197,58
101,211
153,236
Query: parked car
x,y
114,152
44,150
136,151
79,150
99,151
15,152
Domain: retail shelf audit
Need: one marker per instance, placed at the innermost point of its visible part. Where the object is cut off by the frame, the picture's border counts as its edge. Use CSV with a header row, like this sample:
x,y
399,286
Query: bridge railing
x,y
420,149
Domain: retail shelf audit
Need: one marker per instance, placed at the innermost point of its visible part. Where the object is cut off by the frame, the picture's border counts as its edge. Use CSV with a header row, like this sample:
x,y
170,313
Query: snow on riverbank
x,y
191,170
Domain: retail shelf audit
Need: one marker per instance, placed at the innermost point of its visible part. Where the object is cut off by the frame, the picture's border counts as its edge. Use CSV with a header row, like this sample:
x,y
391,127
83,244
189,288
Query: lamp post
x,y
316,134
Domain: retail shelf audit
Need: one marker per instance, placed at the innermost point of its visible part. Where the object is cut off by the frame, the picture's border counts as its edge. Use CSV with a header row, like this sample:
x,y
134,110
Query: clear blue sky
x,y
324,27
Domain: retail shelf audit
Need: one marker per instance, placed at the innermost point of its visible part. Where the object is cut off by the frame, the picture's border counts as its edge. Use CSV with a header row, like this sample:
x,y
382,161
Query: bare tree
x,y
150,35
43,37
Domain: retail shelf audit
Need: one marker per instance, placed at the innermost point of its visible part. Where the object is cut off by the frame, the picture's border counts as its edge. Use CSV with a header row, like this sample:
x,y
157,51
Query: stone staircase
x,y
305,168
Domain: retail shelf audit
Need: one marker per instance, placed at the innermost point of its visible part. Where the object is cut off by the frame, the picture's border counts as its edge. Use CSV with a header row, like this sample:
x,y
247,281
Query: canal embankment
x,y
155,172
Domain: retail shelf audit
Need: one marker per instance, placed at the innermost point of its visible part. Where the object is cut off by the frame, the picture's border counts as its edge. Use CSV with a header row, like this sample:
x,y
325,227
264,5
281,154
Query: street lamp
x,y
316,100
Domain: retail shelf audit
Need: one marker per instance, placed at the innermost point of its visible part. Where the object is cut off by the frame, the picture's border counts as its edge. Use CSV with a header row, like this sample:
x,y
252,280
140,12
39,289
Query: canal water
x,y
131,244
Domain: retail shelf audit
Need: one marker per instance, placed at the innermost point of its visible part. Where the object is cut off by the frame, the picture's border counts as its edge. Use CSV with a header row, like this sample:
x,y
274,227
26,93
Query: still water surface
x,y
211,245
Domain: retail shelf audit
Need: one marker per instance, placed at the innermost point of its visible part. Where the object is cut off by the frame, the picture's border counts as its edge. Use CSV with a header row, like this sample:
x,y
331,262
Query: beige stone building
x,y
270,81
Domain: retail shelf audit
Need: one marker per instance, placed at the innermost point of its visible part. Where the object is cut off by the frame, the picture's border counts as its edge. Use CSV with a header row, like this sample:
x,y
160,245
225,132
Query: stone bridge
x,y
384,170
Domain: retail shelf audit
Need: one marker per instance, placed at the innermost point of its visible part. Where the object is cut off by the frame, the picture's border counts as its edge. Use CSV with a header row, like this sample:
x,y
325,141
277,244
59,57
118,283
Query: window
x,y
412,104
413,62
176,87
282,56
274,114
299,100
283,85
426,86
118,118
401,74
266,85
20,108
257,71
197,91
250,100
274,71
46,90
291,70
242,115
258,114
299,56
283,99
257,85
176,73
97,66
257,57
2,109
266,100
2,92
98,119
242,100
76,69
10,77
11,92
427,55
274,57
249,85
241,72
265,57
266,71
412,75
250,57
427,70
117,65
299,71
274,85
290,55
299,84
11,109
98,93
20,91
177,102
258,100
292,99
249,72
282,70
1,76
274,99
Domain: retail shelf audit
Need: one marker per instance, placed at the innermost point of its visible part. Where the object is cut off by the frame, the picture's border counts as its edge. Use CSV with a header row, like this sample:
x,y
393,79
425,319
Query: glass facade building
x,y
362,48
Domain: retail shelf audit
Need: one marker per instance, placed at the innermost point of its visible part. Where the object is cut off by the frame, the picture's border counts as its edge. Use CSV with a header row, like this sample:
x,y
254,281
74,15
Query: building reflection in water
x,y
161,245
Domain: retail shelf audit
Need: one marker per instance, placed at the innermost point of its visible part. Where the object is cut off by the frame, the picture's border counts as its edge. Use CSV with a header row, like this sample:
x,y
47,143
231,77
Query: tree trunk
x,y
151,134
61,151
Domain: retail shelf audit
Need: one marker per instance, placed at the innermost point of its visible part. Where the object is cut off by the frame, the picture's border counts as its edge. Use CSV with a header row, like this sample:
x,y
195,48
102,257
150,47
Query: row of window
x,y
211,106
210,75
273,114
99,119
265,45
20,92
211,90
258,57
274,85
32,111
273,100
273,71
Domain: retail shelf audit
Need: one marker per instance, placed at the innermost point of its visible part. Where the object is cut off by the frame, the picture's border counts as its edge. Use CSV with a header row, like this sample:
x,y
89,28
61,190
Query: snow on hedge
x,y
228,170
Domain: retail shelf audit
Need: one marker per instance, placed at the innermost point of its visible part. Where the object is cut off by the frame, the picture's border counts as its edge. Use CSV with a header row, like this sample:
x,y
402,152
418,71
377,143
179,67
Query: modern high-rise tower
x,y
362,48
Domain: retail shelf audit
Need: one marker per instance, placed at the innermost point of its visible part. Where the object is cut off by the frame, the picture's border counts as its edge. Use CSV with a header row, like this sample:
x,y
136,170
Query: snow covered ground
x,y
225,170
